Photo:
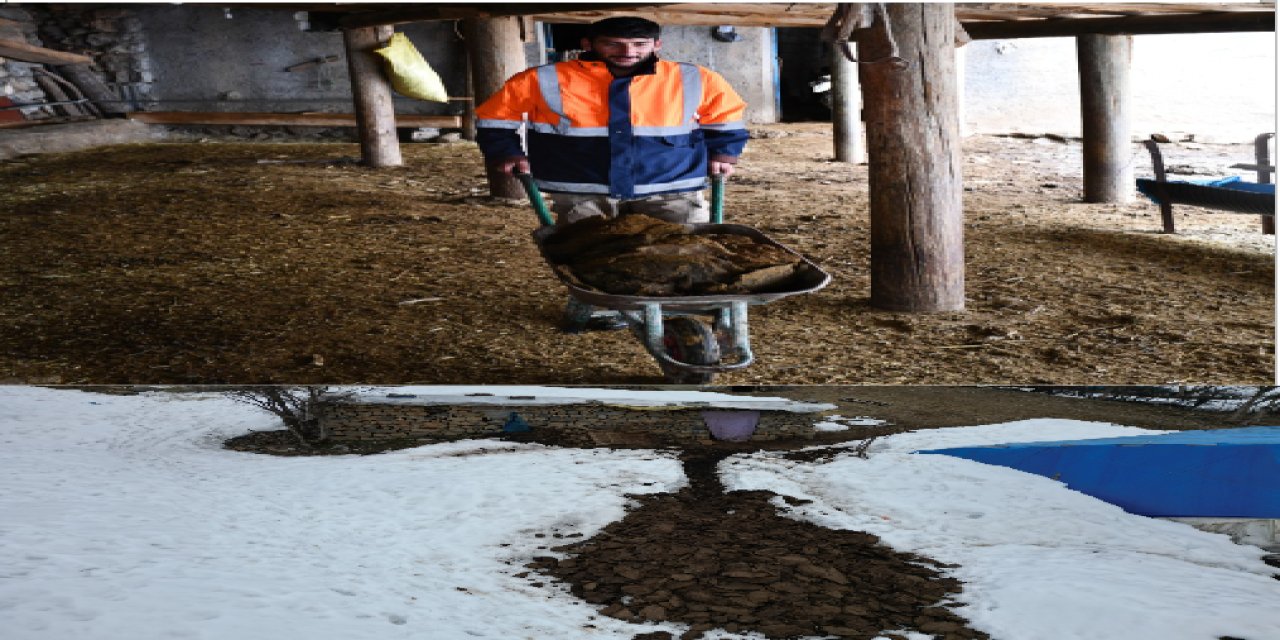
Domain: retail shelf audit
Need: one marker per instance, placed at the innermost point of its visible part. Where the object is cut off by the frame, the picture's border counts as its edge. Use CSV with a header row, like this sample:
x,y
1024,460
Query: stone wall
x,y
113,37
583,424
17,82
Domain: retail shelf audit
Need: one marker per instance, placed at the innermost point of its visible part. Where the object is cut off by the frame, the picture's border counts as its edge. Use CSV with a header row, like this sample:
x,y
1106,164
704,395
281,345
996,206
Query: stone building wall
x,y
17,81
583,424
113,37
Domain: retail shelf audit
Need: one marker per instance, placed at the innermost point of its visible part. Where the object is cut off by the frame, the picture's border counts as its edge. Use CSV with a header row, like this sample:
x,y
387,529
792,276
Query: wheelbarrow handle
x,y
717,198
535,196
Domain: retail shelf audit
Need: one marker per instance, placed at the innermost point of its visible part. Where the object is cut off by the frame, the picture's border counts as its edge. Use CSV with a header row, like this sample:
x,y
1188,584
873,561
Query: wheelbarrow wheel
x,y
690,341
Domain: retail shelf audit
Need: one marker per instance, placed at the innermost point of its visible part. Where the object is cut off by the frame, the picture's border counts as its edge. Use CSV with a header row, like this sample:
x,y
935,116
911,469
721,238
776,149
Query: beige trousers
x,y
685,208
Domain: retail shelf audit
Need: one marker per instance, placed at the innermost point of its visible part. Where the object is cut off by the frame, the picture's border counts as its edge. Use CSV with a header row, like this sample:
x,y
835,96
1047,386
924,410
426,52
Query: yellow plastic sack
x,y
410,74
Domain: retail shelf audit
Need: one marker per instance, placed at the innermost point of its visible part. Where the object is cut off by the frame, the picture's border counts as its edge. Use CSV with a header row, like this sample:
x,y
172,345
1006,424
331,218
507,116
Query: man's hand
x,y
512,165
717,167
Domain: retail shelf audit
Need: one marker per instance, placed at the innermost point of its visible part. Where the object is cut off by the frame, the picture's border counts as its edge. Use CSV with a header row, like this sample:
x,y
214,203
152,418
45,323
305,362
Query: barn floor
x,y
266,262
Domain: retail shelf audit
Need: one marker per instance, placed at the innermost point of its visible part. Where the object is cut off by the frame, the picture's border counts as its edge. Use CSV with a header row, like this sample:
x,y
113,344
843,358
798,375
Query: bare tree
x,y
297,408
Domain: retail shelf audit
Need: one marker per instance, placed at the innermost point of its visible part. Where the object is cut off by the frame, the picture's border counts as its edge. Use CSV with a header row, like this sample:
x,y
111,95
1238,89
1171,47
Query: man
x,y
618,130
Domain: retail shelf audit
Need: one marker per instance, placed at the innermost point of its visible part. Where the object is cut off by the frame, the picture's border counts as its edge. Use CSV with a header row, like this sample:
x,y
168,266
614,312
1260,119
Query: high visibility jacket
x,y
590,133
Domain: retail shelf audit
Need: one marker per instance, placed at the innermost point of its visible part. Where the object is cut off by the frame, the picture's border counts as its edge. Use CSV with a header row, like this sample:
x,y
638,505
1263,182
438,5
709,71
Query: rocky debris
x,y
711,560
642,255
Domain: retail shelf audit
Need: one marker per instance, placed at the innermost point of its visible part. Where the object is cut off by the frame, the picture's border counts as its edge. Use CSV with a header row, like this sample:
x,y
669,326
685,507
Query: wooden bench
x,y
1244,198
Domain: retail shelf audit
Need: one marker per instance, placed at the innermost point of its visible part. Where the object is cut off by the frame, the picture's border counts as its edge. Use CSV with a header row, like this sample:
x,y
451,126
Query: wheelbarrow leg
x,y
576,316
580,317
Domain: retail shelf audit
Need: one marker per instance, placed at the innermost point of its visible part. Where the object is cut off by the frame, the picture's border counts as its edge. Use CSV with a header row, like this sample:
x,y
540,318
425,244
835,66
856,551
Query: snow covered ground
x,y
121,517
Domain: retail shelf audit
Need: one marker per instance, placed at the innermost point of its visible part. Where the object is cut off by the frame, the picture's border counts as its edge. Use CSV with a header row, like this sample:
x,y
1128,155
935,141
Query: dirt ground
x,y
715,559
268,262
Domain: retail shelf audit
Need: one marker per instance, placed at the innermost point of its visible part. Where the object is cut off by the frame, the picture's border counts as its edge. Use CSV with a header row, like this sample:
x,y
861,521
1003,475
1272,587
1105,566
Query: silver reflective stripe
x,y
663,131
500,124
549,85
726,126
669,186
573,187
691,80
582,132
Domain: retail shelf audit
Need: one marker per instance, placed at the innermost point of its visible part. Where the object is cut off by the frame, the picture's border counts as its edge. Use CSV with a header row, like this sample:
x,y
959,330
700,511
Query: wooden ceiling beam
x,y
677,17
432,12
1129,25
1016,11
992,20
816,15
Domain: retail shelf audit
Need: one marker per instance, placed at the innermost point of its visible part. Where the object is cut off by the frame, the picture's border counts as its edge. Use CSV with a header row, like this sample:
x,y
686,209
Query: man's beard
x,y
614,66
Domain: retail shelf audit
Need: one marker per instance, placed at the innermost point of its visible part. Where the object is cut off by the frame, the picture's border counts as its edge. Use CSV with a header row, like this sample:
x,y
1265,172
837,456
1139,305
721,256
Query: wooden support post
x,y
494,53
1262,156
371,92
1104,108
913,145
469,109
846,107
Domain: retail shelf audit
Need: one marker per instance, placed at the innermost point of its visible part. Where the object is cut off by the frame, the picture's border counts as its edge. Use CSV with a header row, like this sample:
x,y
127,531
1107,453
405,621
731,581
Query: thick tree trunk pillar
x,y
371,92
913,146
846,108
494,53
1104,107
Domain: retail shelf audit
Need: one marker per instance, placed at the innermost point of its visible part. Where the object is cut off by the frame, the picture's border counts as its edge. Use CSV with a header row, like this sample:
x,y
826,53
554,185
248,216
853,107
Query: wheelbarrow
x,y
692,337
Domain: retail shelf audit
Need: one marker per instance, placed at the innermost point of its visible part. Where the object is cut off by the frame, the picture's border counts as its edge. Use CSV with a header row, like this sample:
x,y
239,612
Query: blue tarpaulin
x,y
1230,182
1231,473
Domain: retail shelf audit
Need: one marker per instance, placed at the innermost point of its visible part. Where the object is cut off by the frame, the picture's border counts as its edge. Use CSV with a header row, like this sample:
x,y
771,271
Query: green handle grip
x,y
717,198
535,196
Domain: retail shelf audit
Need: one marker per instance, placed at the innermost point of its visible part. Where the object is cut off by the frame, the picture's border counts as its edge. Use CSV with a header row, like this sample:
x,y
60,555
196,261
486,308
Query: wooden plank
x,y
994,17
1131,25
1016,11
1104,63
36,123
913,145
74,91
773,14
94,88
691,19
56,94
284,119
445,11
1255,167
24,52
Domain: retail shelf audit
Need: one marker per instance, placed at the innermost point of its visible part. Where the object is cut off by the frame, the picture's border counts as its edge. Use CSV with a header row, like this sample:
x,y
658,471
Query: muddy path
x,y
715,559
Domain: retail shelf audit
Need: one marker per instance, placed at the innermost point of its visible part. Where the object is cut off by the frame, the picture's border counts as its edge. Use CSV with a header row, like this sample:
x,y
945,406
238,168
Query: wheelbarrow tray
x,y
810,277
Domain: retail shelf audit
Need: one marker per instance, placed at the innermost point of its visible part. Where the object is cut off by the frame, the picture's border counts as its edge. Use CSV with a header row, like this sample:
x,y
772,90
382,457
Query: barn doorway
x,y
803,59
